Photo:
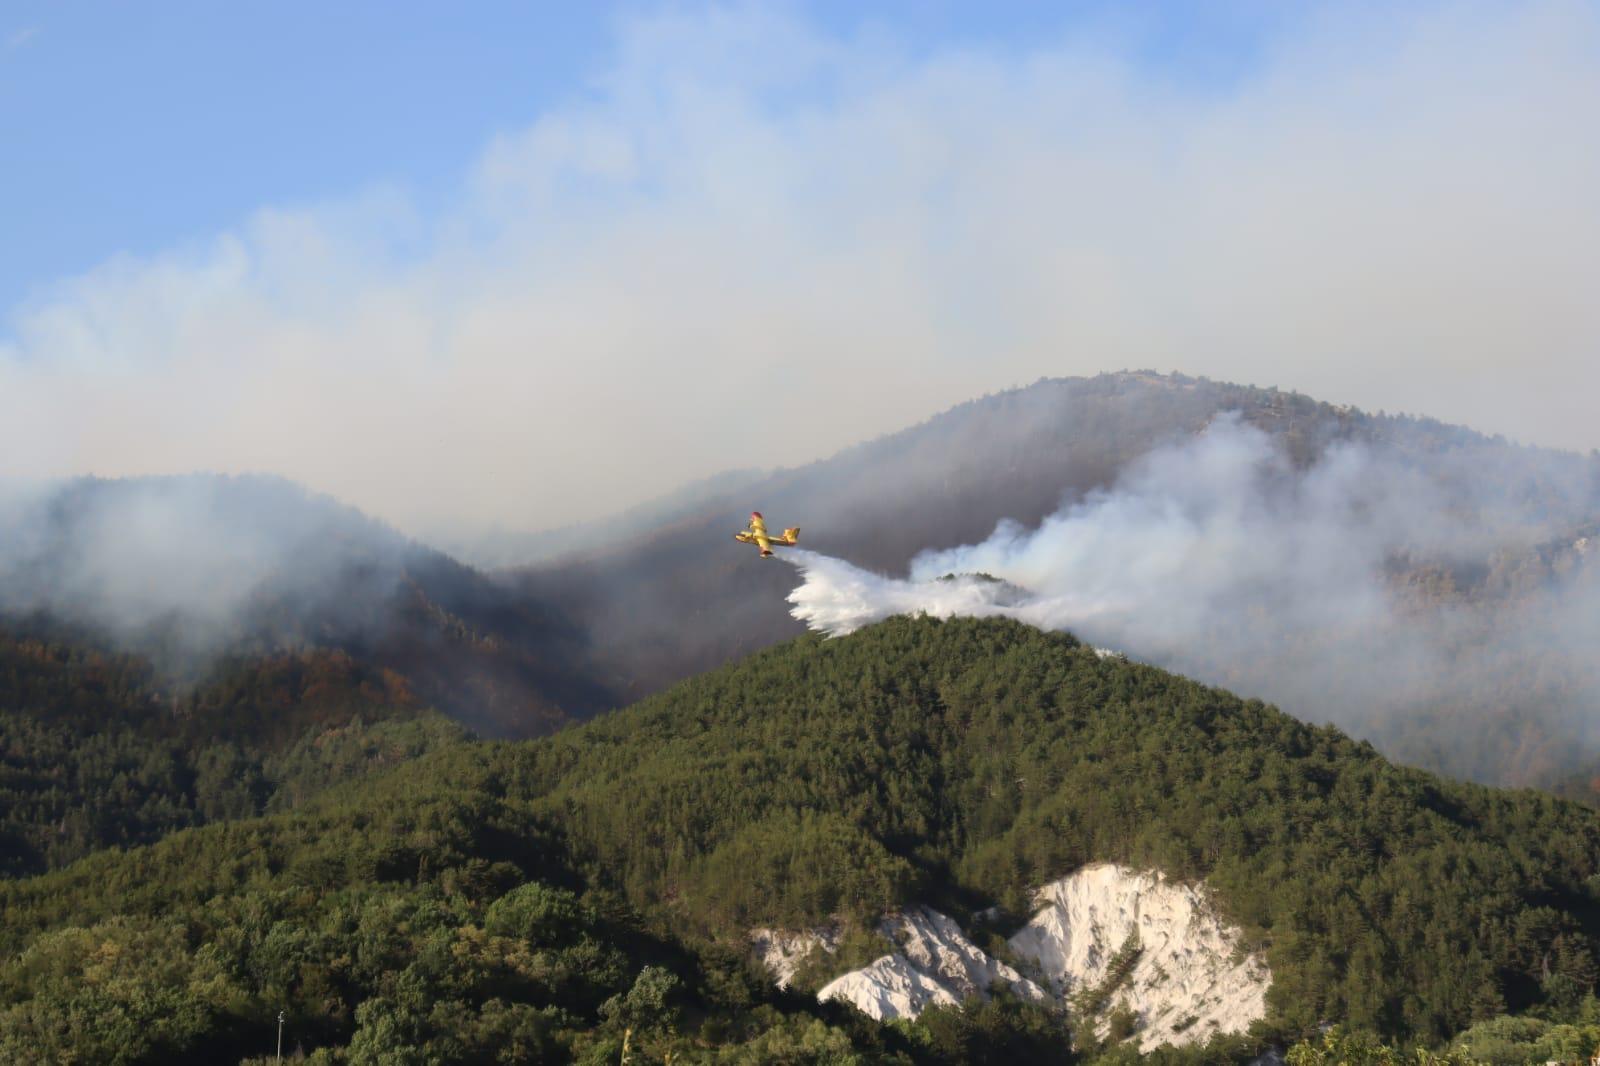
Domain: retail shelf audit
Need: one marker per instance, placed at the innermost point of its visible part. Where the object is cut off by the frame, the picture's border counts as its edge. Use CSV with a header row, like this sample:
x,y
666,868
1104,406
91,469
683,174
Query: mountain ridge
x,y
681,603
518,653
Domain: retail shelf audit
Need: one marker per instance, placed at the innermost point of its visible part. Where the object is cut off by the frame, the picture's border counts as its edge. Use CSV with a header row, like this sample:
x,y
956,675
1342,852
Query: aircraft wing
x,y
757,534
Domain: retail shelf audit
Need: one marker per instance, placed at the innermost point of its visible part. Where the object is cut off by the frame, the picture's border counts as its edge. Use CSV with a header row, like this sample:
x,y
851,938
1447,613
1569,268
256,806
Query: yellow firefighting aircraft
x,y
757,534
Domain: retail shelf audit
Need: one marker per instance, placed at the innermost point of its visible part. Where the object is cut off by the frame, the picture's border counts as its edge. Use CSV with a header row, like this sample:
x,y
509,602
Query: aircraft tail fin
x,y
792,535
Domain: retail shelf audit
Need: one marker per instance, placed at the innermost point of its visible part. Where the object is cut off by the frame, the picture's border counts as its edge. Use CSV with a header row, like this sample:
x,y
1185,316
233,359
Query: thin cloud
x,y
18,38
754,242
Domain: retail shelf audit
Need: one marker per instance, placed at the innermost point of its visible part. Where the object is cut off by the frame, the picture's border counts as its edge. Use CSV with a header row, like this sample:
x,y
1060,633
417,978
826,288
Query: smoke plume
x,y
183,567
1361,589
753,228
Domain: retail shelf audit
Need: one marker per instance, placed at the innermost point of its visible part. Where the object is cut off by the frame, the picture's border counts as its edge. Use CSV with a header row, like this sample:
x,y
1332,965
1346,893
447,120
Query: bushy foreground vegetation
x,y
556,899
419,918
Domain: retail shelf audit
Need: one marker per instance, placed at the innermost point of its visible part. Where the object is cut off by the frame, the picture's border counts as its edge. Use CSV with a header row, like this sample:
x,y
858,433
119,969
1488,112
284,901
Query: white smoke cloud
x,y
184,567
1190,534
1219,559
752,241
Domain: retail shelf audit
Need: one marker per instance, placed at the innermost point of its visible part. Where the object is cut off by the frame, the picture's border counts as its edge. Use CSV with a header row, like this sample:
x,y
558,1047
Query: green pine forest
x,y
97,751
299,834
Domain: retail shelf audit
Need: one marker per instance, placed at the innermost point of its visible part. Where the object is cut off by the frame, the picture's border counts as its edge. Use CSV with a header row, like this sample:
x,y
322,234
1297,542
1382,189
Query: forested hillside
x,y
673,599
184,571
967,762
554,898
677,598
96,753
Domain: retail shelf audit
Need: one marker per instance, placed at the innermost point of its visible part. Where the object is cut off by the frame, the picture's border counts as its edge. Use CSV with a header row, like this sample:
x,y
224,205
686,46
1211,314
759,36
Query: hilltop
x,y
674,600
448,903
199,573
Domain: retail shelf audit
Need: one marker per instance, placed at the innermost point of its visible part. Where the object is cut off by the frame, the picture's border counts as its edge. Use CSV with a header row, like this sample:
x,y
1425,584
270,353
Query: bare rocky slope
x,y
935,965
1150,946
1104,940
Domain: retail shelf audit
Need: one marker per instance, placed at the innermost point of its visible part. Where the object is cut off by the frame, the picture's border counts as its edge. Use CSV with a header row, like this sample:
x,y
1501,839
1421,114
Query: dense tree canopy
x,y
96,752
558,898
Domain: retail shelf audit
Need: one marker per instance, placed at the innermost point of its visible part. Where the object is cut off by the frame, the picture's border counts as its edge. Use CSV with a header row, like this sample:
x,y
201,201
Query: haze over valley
x,y
800,533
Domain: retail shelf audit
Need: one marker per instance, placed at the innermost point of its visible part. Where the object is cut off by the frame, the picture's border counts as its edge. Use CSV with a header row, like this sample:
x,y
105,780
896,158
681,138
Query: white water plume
x,y
838,597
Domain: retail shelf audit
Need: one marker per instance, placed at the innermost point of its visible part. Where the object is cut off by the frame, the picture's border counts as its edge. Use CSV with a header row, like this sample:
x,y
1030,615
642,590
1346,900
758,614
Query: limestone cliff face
x,y
1106,935
936,964
1188,983
783,950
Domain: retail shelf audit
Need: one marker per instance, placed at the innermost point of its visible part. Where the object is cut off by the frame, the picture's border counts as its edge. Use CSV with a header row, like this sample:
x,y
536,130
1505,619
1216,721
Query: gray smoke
x,y
1365,589
759,231
183,567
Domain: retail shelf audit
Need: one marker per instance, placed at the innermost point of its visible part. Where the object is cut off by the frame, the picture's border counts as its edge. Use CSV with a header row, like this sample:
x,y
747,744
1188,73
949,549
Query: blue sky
x,y
131,127
408,253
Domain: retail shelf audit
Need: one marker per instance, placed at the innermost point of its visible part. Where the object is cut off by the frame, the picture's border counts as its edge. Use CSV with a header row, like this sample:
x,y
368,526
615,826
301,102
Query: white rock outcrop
x,y
782,951
890,987
1189,983
935,964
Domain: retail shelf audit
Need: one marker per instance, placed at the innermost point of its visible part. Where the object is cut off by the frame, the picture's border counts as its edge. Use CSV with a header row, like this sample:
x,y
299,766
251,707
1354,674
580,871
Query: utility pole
x,y
280,1038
